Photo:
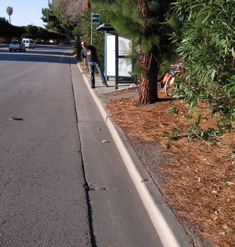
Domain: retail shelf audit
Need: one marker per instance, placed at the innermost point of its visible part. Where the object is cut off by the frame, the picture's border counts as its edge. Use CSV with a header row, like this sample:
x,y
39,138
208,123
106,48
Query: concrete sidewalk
x,y
167,226
122,84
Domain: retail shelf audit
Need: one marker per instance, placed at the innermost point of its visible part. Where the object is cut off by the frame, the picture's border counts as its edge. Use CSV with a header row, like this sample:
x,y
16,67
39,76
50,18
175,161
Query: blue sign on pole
x,y
95,18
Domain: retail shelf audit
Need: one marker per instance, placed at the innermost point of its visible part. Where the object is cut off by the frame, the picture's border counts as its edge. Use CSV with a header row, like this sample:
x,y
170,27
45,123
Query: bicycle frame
x,y
168,81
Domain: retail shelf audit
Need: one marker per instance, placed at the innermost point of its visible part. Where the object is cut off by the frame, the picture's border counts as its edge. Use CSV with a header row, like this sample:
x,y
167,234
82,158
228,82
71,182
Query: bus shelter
x,y
116,49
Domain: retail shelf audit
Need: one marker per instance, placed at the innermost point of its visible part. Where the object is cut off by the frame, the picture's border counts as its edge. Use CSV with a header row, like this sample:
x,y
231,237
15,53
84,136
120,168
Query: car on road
x,y
29,43
16,45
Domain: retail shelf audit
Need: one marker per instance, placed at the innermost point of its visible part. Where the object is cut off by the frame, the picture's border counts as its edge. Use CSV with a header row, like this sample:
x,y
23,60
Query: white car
x,y
29,43
16,45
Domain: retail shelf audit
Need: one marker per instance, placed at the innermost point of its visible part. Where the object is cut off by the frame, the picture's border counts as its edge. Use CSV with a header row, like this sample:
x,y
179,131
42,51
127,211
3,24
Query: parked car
x,y
29,43
16,45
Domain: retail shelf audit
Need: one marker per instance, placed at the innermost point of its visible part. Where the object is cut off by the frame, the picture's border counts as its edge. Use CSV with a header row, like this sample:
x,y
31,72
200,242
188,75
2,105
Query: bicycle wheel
x,y
170,86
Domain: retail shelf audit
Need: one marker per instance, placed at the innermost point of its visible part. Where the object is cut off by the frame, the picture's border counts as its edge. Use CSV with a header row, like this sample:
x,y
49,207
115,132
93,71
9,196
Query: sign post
x,y
95,19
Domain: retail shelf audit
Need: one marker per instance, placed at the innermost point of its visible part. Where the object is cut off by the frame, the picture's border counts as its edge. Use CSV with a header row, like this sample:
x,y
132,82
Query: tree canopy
x,y
9,12
59,24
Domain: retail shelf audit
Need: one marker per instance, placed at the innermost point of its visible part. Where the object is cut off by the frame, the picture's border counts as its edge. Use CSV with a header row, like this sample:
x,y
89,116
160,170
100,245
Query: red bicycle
x,y
169,80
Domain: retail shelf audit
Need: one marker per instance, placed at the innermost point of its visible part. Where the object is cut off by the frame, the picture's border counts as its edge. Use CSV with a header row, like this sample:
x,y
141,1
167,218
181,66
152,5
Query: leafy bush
x,y
207,48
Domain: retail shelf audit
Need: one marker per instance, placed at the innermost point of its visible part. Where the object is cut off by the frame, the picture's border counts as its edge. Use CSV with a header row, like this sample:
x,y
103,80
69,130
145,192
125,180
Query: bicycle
x,y
171,85
169,80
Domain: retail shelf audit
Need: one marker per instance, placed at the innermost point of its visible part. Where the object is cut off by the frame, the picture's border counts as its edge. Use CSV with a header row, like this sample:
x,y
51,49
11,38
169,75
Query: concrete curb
x,y
163,219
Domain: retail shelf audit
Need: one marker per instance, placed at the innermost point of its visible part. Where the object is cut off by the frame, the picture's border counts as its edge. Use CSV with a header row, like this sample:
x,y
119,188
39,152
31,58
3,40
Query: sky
x,y
25,12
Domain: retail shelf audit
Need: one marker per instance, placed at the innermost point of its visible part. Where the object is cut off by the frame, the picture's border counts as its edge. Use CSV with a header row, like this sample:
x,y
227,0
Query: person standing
x,y
89,55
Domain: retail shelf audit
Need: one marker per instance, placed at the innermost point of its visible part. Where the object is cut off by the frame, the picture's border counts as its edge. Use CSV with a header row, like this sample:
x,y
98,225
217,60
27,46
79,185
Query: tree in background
x,y
207,48
9,12
57,21
31,32
71,8
6,28
8,31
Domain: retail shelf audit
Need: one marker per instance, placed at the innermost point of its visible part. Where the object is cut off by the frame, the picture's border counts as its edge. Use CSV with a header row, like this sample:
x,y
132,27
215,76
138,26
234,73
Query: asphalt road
x,y
43,200
62,179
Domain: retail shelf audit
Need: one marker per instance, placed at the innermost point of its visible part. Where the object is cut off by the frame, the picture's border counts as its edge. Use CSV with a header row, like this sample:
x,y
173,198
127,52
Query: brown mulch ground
x,y
196,177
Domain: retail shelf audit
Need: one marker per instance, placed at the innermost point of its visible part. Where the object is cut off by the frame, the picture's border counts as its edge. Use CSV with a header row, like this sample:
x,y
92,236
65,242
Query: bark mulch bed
x,y
196,177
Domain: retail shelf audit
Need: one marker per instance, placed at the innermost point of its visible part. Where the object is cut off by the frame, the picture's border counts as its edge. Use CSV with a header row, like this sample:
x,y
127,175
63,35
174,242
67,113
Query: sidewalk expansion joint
x,y
91,187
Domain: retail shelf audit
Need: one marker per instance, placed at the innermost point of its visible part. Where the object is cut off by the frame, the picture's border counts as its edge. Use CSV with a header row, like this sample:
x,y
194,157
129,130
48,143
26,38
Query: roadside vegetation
x,y
207,49
10,32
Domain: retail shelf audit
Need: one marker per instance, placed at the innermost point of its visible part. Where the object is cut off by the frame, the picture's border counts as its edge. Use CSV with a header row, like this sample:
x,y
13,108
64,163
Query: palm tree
x,y
9,12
